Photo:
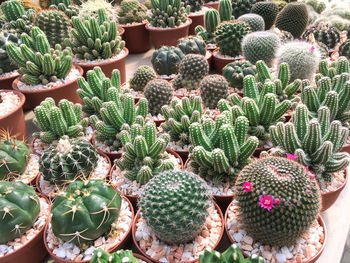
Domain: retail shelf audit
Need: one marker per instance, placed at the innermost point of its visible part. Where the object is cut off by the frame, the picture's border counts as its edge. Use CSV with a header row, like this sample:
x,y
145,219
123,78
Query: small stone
x,y
238,237
267,255
281,258
307,252
248,240
247,247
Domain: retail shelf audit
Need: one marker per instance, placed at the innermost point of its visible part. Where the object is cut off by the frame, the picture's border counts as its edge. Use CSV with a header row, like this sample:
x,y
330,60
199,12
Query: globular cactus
x,y
120,256
144,154
196,5
284,36
166,60
316,5
213,88
315,142
211,21
344,49
255,21
235,72
229,35
69,10
268,11
85,211
220,150
67,160
241,7
261,45
5,62
19,209
39,63
275,189
55,122
324,33
158,92
225,10
141,77
179,115
174,205
131,11
192,45
168,13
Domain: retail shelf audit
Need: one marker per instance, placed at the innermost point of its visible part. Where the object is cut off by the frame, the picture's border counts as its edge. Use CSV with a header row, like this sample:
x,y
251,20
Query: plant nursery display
x,y
268,11
211,21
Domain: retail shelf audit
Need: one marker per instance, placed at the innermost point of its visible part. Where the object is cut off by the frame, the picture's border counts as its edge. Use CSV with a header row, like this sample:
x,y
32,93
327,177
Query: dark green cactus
x,y
174,205
235,72
268,11
225,10
196,5
241,7
192,45
141,77
120,256
131,11
85,211
12,10
324,33
166,60
344,49
211,21
5,63
255,21
70,10
213,88
19,209
158,92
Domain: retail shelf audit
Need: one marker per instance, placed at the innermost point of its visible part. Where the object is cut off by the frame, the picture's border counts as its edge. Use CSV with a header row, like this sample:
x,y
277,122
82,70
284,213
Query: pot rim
x,y
20,106
340,188
160,29
121,30
82,64
15,75
138,24
217,50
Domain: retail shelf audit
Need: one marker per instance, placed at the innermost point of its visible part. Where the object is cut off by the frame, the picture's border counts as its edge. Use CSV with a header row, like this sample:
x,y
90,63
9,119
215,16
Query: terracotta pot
x,y
168,36
14,121
112,156
197,20
121,245
142,258
108,67
328,199
311,260
220,63
259,150
209,57
64,91
6,83
183,154
136,37
121,30
213,4
137,217
346,148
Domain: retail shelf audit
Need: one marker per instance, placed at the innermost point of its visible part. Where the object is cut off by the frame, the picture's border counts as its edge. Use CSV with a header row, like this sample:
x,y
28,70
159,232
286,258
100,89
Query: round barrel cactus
x,y
235,72
85,211
192,45
19,208
141,77
166,60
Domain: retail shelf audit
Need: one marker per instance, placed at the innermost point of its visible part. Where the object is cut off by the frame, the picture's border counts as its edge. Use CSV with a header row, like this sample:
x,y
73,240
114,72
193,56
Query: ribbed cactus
x,y
168,13
241,7
37,62
19,209
278,190
66,7
144,154
141,77
338,67
120,256
55,122
192,45
315,142
158,92
268,10
213,88
235,72
220,150
5,62
344,49
131,11
174,205
225,10
85,211
211,21
179,115
255,21
166,60
196,5
324,33
12,10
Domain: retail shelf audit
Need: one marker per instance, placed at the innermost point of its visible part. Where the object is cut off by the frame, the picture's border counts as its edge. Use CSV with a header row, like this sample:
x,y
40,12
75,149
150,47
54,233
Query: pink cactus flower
x,y
277,201
307,168
312,176
266,202
247,187
291,156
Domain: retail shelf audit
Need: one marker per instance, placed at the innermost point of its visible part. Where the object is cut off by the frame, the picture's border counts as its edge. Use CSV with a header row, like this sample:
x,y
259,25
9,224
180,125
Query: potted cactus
x,y
194,45
196,14
212,4
168,23
23,216
278,190
177,212
101,256
211,21
75,231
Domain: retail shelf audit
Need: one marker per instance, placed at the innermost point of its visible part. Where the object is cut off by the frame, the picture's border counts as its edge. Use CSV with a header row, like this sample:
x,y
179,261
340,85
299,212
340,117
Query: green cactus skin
x,y
324,33
166,60
221,150
225,10
55,122
67,160
174,205
213,88
318,6
293,18
268,11
261,45
65,2
315,142
168,13
196,5
12,10
37,62
344,49
120,256
179,115
211,21
229,35
55,25
131,11
5,62
68,10
241,7
158,92
234,72
85,211
18,22
255,21
19,209
298,196
141,77
192,45
280,4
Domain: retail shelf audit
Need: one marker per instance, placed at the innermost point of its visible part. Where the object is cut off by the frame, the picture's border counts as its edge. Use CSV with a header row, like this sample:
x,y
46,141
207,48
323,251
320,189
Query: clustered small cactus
x,y
211,21
131,11
5,62
66,7
120,256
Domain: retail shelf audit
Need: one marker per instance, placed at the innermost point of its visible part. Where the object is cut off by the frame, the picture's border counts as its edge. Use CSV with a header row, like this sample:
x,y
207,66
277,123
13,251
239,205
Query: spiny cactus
x,y
220,150
174,205
85,211
144,153
275,189
344,49
92,8
316,5
255,21
196,5
324,33
338,67
37,62
5,62
213,88
120,256
315,142
211,21
141,77
131,11
192,45
158,92
55,122
225,10
66,7
241,7
166,60
268,11
19,209
235,72
12,10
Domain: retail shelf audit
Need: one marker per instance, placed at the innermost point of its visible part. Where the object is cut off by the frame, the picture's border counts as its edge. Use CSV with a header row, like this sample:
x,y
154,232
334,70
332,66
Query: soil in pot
x,y
220,60
136,37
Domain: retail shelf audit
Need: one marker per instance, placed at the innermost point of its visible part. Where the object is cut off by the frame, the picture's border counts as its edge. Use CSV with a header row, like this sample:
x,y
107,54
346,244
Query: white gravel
x,y
8,74
167,77
176,147
338,181
84,62
10,102
167,28
104,148
219,55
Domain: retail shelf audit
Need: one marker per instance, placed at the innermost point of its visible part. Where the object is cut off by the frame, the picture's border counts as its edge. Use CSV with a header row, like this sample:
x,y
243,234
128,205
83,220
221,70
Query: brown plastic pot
x,y
214,5
137,217
197,20
6,83
346,148
121,30
220,63
136,37
108,67
112,156
183,154
14,121
168,36
63,91
121,245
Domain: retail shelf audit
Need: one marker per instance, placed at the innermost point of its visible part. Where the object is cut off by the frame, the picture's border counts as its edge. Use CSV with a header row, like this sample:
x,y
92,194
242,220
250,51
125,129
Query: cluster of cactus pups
x,y
120,256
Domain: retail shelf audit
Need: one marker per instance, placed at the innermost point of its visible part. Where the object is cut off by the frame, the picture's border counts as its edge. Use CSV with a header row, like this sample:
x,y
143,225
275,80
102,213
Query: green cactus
x,y
5,62
211,21
85,211
344,49
68,10
120,256
241,7
316,5
92,9
166,60
131,11
141,77
213,88
144,153
192,45
255,21
12,10
55,122
225,10
196,5
324,33
315,142
174,205
158,92
281,191
220,150
284,36
235,72
268,11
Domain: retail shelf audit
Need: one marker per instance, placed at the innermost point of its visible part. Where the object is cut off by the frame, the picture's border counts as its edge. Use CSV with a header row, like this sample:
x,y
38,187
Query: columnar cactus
x,y
220,150
85,211
196,5
141,77
211,21
55,122
19,209
235,72
338,67
158,92
275,189
166,60
120,256
213,88
37,62
131,11
144,154
174,205
12,10
192,45
268,11
225,10
5,62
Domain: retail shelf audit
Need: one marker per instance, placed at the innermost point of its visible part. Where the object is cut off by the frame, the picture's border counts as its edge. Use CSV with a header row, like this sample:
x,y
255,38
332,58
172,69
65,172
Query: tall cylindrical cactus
x,y
12,10
5,61
225,10
211,21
